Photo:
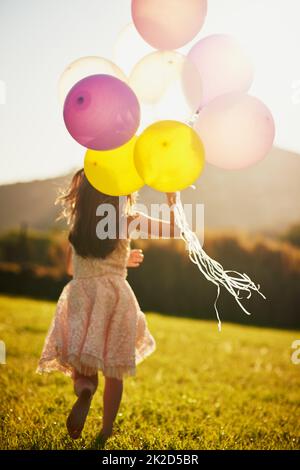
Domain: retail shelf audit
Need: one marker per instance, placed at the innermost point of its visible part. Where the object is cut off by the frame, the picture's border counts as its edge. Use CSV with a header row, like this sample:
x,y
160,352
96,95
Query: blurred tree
x,y
292,235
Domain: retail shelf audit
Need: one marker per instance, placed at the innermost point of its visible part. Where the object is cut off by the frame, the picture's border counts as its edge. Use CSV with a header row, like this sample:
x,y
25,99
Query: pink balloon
x,y
237,131
101,112
168,24
223,66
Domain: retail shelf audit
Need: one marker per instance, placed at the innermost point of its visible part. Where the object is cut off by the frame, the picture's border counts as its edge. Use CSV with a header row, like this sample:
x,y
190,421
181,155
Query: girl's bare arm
x,y
154,226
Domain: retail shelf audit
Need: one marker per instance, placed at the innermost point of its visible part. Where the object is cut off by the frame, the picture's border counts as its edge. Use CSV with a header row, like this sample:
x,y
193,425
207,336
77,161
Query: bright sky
x,y
39,38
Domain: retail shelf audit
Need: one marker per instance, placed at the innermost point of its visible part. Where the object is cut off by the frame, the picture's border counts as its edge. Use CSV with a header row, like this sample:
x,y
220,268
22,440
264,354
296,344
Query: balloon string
x,y
213,271
193,118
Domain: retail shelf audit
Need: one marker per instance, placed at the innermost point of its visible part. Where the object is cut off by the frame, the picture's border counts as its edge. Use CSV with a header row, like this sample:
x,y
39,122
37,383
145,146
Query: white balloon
x,y
157,80
129,48
83,67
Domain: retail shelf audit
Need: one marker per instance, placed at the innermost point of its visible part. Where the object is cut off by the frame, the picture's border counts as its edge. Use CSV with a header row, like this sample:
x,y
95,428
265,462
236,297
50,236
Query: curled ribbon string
x,y
233,281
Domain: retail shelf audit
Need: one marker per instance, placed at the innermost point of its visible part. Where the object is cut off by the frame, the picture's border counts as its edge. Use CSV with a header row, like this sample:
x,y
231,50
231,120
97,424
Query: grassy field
x,y
199,390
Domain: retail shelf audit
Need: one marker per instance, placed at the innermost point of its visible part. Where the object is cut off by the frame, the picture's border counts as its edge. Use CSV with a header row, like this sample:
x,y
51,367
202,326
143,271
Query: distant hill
x,y
31,203
264,198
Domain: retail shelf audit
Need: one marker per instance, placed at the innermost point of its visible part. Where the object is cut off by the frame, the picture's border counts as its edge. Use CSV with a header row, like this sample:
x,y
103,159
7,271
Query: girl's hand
x,y
171,198
136,257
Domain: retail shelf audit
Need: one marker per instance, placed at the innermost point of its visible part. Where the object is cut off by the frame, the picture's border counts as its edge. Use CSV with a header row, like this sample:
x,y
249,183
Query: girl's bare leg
x,y
112,396
84,388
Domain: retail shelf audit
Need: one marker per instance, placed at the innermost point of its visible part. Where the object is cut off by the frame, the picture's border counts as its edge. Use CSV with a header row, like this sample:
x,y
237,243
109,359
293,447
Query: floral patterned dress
x,y
98,324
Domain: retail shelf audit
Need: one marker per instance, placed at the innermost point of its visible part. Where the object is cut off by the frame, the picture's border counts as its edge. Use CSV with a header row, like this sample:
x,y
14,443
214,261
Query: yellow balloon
x,y
113,171
169,156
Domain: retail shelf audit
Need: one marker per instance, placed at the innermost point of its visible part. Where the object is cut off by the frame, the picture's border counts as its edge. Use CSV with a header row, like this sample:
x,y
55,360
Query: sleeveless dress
x,y
98,324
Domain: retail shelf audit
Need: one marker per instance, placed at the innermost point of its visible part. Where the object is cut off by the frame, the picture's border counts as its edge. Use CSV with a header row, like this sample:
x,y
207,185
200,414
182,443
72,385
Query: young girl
x,y
98,324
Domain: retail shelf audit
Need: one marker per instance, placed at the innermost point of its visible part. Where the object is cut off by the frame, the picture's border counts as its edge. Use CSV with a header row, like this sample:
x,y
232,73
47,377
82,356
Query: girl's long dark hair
x,y
80,202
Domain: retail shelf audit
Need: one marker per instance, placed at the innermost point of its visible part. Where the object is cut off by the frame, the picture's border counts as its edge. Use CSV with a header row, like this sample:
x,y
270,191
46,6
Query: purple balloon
x,y
101,112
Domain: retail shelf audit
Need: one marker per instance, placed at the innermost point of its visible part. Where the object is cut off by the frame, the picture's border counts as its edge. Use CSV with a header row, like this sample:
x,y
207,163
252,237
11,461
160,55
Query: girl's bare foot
x,y
102,438
106,433
78,414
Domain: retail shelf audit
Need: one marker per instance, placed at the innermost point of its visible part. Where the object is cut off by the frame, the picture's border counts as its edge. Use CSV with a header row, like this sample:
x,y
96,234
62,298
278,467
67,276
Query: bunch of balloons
x,y
196,104
104,109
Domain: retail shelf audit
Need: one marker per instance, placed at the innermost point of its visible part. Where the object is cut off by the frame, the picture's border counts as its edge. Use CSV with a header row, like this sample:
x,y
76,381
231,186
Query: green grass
x,y
201,389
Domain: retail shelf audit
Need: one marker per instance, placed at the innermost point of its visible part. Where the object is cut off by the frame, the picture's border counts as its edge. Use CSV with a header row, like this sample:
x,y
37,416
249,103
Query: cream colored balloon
x,y
155,73
83,67
157,81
